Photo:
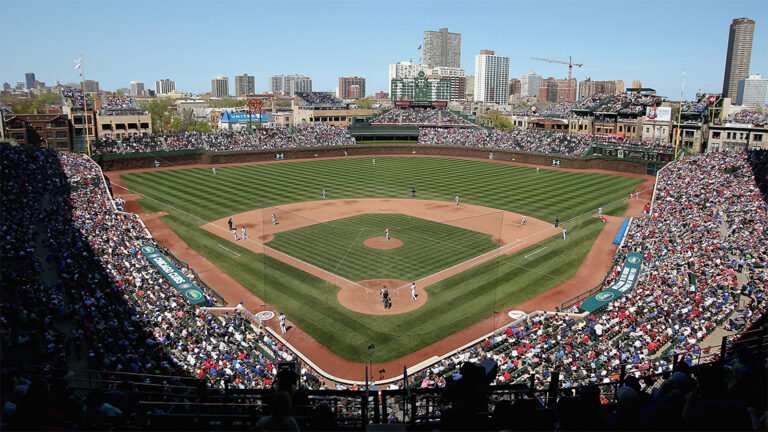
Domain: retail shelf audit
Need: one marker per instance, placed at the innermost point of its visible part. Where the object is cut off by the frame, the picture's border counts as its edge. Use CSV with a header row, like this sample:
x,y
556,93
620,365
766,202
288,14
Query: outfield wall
x,y
140,161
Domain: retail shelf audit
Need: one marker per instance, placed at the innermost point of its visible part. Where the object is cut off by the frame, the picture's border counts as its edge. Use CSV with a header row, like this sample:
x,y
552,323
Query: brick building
x,y
53,131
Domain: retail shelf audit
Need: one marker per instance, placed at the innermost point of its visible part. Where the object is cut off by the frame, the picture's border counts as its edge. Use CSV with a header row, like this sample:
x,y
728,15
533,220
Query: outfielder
x,y
413,192
323,192
457,200
537,170
374,161
214,170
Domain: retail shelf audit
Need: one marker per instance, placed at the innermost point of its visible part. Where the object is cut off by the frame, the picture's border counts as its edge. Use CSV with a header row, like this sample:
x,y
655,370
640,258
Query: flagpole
x,y
85,105
679,114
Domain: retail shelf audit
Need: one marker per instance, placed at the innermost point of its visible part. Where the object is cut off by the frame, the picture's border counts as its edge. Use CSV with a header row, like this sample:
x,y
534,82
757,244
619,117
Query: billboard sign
x,y
658,113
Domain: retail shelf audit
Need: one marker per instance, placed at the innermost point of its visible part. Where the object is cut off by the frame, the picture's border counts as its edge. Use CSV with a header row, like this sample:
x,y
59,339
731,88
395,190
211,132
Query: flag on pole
x,y
78,62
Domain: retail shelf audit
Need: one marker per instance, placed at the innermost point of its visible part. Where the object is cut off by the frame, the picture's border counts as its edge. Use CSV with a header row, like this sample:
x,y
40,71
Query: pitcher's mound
x,y
383,243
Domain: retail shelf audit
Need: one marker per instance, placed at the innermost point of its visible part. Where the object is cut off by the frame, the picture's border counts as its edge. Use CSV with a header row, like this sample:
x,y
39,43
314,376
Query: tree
x,y
497,120
366,103
160,111
200,126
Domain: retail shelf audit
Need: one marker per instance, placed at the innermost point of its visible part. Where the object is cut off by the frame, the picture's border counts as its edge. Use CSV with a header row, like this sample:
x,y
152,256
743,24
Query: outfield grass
x,y
193,196
427,246
514,188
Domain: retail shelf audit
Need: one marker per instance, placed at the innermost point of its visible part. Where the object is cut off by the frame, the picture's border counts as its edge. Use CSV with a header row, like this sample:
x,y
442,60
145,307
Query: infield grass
x,y
194,196
427,246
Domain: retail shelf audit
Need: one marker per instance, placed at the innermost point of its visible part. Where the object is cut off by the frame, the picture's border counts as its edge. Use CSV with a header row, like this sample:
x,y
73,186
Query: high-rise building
x,y
530,84
557,90
30,78
752,91
514,87
164,86
137,88
6,86
491,77
220,87
244,85
589,88
288,85
345,87
91,87
442,48
470,87
739,53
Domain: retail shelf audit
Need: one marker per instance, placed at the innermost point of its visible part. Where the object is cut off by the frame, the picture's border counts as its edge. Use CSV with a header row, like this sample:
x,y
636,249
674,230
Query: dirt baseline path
x,y
591,273
504,228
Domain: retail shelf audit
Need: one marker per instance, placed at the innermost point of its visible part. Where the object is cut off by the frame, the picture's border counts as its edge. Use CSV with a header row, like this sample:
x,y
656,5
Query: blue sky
x,y
193,41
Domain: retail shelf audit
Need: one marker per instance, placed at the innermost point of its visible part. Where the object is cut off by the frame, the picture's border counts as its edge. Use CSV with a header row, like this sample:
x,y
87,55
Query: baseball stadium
x,y
416,270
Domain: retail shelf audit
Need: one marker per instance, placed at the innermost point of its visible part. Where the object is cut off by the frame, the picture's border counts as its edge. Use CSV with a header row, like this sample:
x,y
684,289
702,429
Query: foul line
x,y
236,254
534,253
348,250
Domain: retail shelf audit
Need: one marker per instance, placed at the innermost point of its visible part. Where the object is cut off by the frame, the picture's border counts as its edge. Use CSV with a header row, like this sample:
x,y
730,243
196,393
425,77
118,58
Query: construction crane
x,y
570,64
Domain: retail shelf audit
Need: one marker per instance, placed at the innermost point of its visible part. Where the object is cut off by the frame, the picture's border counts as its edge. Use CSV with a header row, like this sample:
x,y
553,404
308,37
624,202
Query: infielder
x,y
564,231
457,200
242,230
274,219
522,222
386,233
235,233
323,192
282,322
413,291
214,170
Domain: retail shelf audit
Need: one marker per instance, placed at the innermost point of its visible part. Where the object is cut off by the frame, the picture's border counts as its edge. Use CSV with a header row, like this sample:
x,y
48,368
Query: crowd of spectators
x,y
75,97
126,315
527,140
119,103
319,98
707,228
556,110
756,118
421,117
621,142
317,135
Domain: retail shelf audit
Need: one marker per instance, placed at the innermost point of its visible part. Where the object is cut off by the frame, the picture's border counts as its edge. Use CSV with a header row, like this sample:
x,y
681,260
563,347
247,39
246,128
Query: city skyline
x,y
653,48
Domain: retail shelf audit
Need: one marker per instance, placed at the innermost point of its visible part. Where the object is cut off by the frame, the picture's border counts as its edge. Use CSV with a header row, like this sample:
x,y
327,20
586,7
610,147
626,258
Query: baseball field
x,y
343,244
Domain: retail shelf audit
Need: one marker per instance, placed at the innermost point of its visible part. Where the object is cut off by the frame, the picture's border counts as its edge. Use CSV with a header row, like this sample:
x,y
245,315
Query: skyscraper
x,y
442,48
220,87
30,78
739,53
752,91
530,84
491,78
289,84
164,86
244,85
345,87
137,88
